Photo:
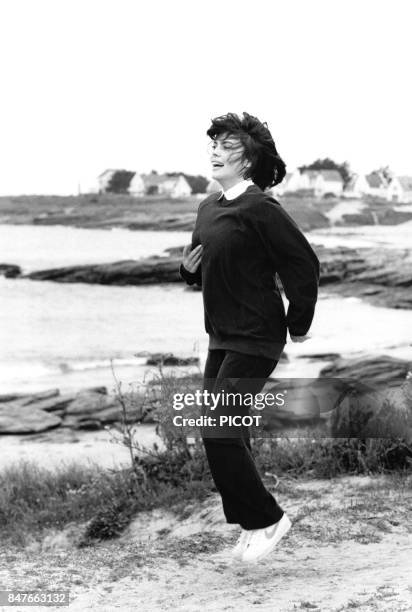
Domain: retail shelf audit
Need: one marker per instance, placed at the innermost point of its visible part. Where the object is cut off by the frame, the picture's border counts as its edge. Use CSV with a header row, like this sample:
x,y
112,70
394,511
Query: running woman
x,y
242,238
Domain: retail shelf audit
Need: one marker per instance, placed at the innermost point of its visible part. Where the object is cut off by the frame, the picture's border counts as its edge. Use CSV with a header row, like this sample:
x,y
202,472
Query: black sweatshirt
x,y
245,242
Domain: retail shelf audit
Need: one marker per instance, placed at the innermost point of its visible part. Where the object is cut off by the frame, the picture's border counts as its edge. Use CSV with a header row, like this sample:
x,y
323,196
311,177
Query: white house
x,y
357,186
160,184
291,182
319,182
400,189
137,187
178,186
377,184
373,184
323,182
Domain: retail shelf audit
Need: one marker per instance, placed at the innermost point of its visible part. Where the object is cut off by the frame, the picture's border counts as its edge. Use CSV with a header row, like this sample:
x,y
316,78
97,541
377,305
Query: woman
x,y
242,237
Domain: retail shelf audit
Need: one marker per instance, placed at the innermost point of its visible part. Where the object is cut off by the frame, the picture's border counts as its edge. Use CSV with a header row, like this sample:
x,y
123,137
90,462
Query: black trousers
x,y
245,499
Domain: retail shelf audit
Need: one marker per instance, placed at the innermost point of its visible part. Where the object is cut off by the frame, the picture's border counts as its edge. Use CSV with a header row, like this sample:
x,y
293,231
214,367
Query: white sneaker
x,y
241,544
263,541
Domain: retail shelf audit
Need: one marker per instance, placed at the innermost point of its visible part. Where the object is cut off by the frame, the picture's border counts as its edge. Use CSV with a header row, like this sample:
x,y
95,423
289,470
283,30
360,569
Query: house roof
x,y
109,171
152,179
374,180
406,182
311,173
331,175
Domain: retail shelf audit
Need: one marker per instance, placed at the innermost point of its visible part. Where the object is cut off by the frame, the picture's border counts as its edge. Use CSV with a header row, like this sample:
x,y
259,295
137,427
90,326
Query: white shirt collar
x,y
236,190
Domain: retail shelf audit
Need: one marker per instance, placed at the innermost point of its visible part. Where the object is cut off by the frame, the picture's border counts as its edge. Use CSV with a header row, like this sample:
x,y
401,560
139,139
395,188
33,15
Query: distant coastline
x,y
106,211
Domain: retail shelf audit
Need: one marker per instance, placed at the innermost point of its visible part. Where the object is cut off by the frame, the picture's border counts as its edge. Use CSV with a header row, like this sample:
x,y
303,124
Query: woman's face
x,y
225,156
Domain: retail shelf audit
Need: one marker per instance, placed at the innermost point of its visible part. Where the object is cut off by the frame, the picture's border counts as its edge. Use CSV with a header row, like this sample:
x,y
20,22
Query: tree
x,y
120,181
328,164
385,172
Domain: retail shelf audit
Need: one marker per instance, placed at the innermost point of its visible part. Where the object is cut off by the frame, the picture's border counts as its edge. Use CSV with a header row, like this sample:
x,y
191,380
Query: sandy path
x,y
55,448
350,548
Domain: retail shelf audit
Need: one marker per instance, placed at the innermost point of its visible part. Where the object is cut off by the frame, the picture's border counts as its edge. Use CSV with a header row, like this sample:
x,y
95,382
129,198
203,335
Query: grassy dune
x,y
150,212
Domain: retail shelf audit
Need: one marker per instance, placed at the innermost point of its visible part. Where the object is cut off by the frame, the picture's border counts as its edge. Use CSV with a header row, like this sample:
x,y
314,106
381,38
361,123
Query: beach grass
x,y
35,499
103,501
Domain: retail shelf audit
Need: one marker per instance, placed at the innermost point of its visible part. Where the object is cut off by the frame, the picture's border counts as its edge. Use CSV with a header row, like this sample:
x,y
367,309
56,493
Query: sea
x,y
73,336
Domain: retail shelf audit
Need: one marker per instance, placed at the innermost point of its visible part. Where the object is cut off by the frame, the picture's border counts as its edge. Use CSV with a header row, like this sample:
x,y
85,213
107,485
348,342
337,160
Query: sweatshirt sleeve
x,y
295,261
193,277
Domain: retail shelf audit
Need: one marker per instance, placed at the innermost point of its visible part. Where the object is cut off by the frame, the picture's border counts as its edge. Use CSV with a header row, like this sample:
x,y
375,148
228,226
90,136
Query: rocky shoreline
x,y
380,276
87,409
309,401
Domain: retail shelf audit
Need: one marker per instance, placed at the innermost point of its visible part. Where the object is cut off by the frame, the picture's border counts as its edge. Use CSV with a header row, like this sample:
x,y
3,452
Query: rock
x,y
90,403
361,218
36,400
394,217
388,267
339,263
29,398
367,412
363,272
373,399
9,397
99,389
301,401
380,370
25,419
378,295
10,270
91,410
181,222
150,270
81,423
50,401
56,404
168,359
110,414
325,356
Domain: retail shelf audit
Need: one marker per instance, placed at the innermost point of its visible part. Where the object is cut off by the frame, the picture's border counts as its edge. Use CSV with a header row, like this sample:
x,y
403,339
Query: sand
x,y
349,548
54,448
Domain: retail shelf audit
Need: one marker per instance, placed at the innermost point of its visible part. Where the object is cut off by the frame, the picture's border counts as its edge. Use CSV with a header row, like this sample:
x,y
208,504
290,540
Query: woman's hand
x,y
191,259
300,338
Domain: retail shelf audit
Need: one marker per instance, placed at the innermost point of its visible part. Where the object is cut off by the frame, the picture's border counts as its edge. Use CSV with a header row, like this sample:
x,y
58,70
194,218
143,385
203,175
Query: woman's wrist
x,y
296,338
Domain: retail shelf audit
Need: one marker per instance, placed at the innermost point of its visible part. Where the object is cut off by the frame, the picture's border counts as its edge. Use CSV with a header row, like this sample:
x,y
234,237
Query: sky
x,y
133,84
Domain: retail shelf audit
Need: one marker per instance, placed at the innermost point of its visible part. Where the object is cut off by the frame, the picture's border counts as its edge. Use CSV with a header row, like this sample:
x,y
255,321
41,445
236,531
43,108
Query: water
x,y
386,236
34,247
65,335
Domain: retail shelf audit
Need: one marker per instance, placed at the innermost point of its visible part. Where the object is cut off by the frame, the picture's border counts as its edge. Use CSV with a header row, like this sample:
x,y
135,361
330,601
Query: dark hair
x,y
267,168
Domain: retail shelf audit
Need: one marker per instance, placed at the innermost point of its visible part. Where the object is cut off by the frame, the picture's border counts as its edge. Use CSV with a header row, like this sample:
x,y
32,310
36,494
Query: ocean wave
x,y
97,364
